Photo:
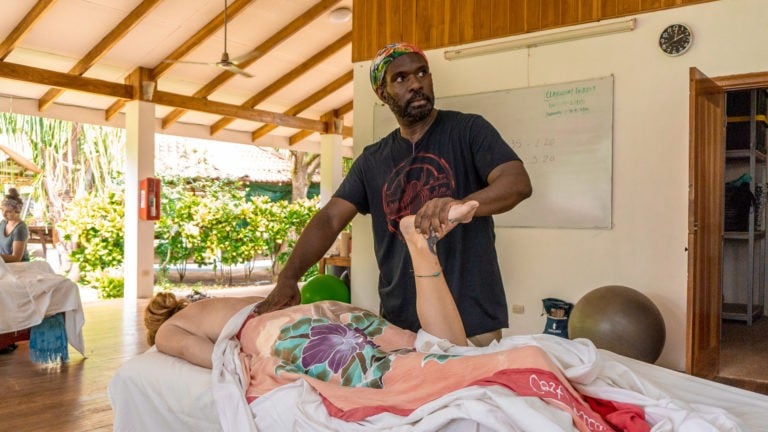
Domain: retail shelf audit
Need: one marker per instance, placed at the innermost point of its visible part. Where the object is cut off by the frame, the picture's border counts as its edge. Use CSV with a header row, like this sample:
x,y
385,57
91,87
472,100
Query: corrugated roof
x,y
203,158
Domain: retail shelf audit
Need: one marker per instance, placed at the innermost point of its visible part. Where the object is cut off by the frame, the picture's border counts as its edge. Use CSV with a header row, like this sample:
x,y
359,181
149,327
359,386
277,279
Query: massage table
x,y
154,391
32,291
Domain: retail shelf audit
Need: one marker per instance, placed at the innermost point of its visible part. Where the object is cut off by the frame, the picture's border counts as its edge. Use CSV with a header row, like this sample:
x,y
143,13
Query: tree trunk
x,y
305,165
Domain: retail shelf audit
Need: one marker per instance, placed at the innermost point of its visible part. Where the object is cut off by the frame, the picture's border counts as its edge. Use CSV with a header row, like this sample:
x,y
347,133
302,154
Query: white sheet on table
x,y
594,372
30,291
158,392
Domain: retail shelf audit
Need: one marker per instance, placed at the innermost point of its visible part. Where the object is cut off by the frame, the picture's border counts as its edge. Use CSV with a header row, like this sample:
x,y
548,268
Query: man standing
x,y
435,159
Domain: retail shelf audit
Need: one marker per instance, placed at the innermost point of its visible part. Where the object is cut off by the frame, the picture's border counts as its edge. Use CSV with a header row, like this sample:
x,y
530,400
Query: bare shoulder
x,y
209,316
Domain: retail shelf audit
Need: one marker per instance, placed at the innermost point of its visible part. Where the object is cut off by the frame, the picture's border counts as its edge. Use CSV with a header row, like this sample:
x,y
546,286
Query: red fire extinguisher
x,y
149,199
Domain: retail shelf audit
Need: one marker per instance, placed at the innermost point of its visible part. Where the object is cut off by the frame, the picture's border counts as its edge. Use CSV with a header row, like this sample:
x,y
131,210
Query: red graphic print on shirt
x,y
412,183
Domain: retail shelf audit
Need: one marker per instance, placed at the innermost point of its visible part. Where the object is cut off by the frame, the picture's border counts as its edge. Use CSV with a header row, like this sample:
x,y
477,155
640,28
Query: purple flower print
x,y
334,344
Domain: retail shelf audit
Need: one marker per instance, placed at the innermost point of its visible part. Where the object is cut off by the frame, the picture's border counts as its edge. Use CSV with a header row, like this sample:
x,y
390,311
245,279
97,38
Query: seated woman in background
x,y
361,364
13,238
14,233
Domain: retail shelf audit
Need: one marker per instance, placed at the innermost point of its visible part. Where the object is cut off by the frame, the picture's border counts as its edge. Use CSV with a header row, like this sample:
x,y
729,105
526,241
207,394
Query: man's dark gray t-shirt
x,y
394,178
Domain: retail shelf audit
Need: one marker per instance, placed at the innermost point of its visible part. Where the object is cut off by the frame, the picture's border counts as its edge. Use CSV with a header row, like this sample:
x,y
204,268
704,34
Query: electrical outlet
x,y
518,309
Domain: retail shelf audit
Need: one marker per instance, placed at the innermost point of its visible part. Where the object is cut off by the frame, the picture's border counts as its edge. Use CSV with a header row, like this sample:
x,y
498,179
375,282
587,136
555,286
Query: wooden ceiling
x,y
84,59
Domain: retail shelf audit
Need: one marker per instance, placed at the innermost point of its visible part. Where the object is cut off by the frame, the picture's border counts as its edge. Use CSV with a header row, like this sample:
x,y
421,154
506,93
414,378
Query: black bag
x,y
738,201
557,312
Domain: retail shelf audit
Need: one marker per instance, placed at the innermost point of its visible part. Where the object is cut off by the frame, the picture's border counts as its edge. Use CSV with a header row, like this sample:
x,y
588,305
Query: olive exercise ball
x,y
324,287
619,319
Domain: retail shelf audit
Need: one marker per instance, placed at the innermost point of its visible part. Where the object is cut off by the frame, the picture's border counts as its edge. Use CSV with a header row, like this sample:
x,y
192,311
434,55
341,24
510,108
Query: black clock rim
x,y
687,46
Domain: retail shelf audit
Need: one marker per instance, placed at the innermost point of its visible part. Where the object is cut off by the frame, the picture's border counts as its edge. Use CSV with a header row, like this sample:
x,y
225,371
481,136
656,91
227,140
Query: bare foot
x,y
457,214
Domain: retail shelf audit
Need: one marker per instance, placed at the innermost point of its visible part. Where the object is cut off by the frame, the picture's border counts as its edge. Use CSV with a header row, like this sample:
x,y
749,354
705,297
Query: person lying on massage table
x,y
361,364
175,327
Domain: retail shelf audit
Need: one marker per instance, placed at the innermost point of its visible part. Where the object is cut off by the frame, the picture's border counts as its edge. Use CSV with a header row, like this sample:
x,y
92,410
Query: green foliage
x,y
217,226
110,284
95,225
215,223
178,231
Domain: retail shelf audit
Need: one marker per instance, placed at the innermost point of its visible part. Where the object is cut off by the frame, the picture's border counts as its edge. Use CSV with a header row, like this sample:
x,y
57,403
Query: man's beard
x,y
408,114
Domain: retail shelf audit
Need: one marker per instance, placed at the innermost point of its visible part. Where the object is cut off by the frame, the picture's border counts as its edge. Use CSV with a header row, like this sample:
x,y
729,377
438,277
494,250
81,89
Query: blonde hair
x,y
162,306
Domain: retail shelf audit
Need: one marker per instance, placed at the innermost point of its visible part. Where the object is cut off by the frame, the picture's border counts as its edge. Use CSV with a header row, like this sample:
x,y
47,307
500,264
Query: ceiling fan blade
x,y
190,62
249,56
234,69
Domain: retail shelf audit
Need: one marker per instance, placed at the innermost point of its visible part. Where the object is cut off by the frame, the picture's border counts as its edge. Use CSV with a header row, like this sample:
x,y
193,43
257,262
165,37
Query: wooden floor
x,y
72,396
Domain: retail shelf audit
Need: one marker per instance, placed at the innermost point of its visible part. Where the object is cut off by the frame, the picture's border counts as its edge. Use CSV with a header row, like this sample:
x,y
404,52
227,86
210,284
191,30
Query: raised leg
x,y
434,303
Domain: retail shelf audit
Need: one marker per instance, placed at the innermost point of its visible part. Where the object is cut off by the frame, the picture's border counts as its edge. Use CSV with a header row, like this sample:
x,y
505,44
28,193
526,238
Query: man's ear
x,y
380,92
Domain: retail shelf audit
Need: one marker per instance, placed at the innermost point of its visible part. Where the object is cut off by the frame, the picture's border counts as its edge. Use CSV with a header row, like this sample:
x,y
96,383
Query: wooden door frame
x,y
728,83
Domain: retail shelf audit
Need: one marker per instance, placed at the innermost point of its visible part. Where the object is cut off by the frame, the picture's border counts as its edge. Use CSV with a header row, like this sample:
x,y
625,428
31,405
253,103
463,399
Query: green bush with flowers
x,y
213,223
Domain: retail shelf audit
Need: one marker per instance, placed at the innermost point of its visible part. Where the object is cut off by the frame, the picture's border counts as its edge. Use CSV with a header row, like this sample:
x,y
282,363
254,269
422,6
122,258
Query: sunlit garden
x,y
230,230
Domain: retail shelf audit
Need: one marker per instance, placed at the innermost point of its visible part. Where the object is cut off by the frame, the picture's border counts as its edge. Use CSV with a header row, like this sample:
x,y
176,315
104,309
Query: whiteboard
x,y
564,135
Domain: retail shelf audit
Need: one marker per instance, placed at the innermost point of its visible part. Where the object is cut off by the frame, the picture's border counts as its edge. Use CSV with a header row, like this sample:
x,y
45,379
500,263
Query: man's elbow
x,y
526,192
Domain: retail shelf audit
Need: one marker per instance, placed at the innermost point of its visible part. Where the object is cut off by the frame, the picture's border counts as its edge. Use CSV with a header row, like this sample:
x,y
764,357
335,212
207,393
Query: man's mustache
x,y
416,96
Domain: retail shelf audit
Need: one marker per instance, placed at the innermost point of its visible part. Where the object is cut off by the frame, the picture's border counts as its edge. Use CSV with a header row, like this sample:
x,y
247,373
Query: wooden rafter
x,y
126,91
306,103
101,48
64,80
284,33
24,26
185,48
336,113
252,114
286,79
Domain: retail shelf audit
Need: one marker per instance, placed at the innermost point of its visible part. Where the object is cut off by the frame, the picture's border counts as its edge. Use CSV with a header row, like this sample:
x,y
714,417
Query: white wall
x,y
646,248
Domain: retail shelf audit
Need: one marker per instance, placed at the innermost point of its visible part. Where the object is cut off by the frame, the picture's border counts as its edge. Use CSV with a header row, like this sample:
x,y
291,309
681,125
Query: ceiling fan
x,y
225,62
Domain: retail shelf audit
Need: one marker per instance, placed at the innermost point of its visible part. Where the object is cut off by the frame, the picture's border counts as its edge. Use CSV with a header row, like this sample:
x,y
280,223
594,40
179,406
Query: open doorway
x,y
744,332
714,344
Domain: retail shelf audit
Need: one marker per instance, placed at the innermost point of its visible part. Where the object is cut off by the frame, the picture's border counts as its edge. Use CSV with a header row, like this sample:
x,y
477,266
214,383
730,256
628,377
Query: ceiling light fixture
x,y
542,39
340,15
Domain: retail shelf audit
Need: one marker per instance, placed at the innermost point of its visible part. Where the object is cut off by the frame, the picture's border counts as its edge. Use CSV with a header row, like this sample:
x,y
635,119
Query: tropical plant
x,y
95,225
76,159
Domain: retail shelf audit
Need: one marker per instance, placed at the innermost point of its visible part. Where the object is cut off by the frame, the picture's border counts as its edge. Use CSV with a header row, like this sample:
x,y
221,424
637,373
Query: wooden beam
x,y
24,26
286,79
193,42
65,81
338,112
101,48
137,79
306,103
299,136
284,33
107,88
220,108
347,107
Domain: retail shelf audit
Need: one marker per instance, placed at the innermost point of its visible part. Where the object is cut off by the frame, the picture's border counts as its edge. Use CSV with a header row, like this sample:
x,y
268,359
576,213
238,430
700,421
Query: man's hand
x,y
434,215
282,296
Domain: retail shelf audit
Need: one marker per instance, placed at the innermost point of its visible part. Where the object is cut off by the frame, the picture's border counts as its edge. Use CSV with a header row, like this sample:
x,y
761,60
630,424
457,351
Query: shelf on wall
x,y
744,154
738,311
742,235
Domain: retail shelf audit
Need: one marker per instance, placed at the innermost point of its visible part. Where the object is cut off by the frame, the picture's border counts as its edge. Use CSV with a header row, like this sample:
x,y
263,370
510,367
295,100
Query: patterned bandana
x,y
385,56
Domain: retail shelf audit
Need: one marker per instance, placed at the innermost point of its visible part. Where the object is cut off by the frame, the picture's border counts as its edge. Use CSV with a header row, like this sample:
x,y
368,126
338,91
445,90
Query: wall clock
x,y
675,39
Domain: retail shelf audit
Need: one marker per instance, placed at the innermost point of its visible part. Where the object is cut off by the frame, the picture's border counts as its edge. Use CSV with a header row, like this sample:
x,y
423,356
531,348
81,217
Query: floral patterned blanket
x,y
362,365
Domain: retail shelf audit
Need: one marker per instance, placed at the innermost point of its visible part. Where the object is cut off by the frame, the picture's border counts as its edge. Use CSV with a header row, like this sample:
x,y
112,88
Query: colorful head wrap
x,y
385,56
